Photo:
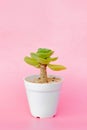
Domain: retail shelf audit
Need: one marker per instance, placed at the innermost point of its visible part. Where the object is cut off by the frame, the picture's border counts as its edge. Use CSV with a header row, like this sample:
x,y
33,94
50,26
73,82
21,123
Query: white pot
x,y
42,98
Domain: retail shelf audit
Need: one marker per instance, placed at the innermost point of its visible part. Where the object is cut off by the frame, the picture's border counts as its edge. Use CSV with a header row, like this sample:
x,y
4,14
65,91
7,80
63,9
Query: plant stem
x,y
43,73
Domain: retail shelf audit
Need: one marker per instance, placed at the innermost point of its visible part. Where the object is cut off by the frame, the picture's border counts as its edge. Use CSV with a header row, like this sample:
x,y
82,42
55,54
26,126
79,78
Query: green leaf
x,y
43,50
31,61
39,59
45,54
56,67
52,59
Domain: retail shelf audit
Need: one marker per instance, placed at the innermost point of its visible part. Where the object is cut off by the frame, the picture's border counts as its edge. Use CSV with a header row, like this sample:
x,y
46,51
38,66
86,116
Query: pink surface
x,y
25,26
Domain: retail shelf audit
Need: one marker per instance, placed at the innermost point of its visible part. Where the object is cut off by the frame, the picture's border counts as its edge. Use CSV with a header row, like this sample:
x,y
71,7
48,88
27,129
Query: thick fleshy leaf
x,y
43,50
56,67
52,59
39,59
31,61
44,54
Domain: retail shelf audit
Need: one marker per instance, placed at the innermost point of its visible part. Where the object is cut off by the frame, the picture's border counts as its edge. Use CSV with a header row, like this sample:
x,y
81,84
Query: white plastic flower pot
x,y
43,98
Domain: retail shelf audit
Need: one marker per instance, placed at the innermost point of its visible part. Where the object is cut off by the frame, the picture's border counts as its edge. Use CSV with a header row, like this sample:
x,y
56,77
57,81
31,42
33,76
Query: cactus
x,y
41,59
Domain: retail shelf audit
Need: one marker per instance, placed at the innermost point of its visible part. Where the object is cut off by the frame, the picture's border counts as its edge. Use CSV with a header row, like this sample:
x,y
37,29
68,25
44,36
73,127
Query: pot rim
x,y
31,76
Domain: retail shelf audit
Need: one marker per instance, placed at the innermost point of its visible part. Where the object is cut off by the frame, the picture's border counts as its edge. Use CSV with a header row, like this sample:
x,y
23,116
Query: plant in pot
x,y
43,90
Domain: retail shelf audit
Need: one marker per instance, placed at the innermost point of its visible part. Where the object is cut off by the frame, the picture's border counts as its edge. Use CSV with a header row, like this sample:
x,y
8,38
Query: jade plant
x,y
42,59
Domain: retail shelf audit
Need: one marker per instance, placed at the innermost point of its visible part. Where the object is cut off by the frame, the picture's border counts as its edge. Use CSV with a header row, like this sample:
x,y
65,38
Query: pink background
x,y
26,25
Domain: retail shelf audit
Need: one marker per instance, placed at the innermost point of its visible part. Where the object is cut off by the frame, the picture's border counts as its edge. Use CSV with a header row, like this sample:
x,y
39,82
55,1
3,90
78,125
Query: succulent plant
x,y
41,59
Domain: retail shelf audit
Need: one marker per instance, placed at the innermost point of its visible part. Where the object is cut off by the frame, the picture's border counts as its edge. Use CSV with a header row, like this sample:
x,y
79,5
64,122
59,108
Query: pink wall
x,y
26,25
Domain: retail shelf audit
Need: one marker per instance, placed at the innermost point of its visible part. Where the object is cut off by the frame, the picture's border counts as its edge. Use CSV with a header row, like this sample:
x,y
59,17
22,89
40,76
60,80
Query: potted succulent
x,y
43,90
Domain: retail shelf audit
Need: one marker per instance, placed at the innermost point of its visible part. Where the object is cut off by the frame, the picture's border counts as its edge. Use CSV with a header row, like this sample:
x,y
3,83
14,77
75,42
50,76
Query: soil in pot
x,y
49,79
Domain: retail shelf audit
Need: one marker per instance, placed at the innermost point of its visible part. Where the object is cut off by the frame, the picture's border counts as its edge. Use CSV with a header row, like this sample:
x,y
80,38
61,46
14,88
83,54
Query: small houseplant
x,y
43,90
